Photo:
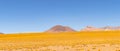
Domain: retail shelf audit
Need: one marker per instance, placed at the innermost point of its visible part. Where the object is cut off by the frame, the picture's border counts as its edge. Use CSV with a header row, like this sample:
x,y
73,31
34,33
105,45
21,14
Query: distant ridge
x,y
1,33
60,28
91,28
106,28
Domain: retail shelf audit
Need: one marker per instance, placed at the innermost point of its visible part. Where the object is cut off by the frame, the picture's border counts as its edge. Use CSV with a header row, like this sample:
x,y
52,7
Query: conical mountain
x,y
60,28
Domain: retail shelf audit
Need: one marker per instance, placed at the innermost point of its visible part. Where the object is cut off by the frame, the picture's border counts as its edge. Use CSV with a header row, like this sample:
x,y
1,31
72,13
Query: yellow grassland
x,y
65,41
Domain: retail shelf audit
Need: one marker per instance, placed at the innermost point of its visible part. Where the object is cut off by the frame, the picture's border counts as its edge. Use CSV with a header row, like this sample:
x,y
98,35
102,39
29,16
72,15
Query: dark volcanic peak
x,y
60,28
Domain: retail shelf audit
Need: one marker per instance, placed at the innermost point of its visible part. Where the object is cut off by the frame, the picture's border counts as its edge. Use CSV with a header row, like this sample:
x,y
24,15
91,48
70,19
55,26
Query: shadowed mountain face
x,y
107,28
59,28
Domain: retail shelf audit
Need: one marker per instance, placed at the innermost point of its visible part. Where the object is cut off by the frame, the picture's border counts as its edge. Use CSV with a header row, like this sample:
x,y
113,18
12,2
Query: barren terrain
x,y
69,41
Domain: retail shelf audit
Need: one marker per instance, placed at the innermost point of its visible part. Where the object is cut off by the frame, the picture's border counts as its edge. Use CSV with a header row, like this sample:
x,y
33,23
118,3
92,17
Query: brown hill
x,y
60,28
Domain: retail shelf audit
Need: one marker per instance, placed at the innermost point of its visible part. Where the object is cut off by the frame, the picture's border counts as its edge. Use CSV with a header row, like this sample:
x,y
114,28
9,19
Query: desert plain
x,y
64,41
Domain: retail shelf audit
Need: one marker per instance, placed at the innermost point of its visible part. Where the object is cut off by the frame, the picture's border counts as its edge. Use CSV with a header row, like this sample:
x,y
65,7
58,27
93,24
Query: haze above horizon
x,y
40,15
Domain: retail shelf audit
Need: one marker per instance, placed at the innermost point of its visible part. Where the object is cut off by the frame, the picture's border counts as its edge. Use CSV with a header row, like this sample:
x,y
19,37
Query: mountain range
x,y
106,28
60,28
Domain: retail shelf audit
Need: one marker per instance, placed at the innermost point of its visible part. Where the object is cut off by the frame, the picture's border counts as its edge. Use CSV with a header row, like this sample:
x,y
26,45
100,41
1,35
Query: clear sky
x,y
40,15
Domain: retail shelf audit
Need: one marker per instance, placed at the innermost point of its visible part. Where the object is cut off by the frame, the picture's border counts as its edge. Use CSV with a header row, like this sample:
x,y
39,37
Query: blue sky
x,y
40,15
